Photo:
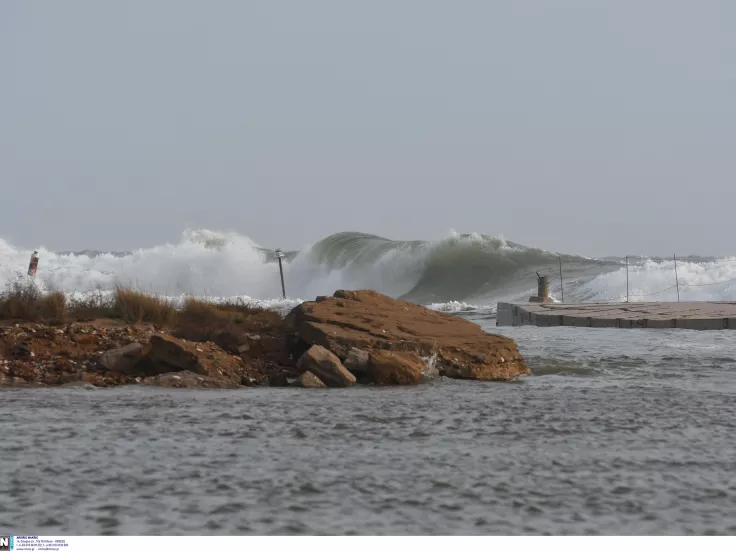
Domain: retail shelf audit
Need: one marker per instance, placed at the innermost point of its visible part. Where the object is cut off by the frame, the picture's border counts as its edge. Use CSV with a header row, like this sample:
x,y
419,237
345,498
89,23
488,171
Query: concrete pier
x,y
686,315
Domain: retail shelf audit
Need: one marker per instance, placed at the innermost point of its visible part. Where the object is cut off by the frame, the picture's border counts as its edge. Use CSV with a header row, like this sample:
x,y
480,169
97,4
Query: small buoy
x,y
33,265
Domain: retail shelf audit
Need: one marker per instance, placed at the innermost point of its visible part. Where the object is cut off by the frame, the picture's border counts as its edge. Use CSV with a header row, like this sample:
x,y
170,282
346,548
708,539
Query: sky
x,y
581,126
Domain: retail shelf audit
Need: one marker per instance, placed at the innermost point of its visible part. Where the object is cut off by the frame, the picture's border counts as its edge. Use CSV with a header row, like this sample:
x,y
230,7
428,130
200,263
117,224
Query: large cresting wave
x,y
460,272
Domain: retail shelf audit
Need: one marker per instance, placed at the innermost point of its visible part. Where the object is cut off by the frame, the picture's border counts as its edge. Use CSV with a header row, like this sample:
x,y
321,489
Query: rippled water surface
x,y
617,432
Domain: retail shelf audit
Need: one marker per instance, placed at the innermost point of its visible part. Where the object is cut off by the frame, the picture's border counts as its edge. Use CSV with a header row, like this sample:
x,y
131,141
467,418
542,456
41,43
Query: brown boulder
x,y
309,380
169,354
326,366
368,320
395,368
122,360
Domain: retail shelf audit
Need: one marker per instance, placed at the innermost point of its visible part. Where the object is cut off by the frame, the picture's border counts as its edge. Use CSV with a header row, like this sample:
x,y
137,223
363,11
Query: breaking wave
x,y
461,273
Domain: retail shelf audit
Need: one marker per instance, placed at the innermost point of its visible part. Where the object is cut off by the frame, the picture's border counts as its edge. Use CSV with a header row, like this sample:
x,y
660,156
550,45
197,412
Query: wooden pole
x,y
627,278
677,282
279,254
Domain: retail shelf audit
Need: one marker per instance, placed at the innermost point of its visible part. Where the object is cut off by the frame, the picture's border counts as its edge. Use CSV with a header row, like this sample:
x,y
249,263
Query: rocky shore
x,y
353,337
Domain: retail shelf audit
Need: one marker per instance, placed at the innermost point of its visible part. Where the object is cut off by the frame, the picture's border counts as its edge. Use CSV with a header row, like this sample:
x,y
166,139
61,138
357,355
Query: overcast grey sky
x,y
592,127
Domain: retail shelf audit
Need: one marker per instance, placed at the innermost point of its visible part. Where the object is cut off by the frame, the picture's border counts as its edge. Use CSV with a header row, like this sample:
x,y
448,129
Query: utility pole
x,y
677,282
280,255
562,287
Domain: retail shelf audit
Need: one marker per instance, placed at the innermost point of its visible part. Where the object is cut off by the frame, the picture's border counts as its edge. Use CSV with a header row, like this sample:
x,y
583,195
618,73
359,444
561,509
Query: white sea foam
x,y
655,281
278,304
203,263
459,306
458,274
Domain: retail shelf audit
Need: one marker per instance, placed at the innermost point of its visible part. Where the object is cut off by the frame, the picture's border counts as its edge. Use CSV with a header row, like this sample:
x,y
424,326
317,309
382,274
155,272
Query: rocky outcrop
x,y
332,341
395,368
326,366
369,321
309,380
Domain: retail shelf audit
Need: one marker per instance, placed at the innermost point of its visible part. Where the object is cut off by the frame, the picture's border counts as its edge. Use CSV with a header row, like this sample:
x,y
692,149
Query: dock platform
x,y
685,315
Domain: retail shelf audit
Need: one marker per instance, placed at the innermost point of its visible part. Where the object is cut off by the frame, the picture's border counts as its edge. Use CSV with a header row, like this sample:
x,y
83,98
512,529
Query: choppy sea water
x,y
617,432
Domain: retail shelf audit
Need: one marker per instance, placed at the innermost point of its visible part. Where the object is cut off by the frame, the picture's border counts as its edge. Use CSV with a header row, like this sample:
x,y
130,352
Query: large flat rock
x,y
368,320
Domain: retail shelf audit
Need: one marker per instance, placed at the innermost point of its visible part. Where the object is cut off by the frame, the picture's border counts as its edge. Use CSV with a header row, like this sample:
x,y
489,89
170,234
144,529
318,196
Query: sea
x,y
615,432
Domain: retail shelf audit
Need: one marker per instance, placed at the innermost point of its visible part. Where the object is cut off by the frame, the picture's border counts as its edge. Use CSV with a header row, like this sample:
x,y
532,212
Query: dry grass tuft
x,y
135,306
198,320
53,306
203,321
251,317
24,301
94,306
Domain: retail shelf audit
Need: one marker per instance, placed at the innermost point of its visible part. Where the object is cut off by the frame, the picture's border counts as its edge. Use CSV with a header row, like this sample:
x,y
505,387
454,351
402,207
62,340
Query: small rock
x,y
309,380
326,366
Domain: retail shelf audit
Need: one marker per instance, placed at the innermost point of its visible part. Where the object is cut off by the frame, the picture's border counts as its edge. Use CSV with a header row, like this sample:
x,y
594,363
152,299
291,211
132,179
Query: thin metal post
x,y
279,254
562,287
627,278
677,282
